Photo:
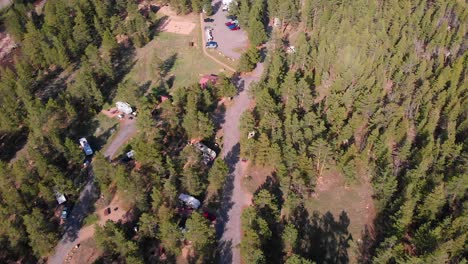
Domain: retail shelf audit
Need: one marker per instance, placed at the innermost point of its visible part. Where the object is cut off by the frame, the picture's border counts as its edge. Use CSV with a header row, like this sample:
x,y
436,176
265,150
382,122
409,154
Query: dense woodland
x,y
375,89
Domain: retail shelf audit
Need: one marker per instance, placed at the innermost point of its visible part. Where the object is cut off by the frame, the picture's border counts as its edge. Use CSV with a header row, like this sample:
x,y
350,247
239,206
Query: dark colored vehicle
x,y
209,216
212,45
235,28
208,20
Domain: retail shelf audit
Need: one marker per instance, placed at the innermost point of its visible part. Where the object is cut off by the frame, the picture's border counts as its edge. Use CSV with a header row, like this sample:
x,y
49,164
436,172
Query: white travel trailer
x,y
189,200
124,107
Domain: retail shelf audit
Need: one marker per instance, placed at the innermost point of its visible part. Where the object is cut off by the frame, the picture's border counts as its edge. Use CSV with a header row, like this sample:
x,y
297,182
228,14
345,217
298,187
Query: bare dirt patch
x,y
335,196
7,44
88,252
118,212
174,23
178,27
255,176
111,112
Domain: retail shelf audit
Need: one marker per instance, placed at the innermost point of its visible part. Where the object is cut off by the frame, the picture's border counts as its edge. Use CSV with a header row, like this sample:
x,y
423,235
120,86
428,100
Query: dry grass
x,y
88,252
255,176
334,196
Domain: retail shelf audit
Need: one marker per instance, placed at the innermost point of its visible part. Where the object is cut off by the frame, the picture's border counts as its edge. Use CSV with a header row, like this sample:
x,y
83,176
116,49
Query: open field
x,y
353,202
181,61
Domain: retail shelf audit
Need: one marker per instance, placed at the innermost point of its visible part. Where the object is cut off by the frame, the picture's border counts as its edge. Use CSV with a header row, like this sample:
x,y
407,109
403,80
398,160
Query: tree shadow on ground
x,y
154,29
238,82
124,63
366,245
216,7
224,251
143,89
219,116
321,238
82,208
11,143
168,64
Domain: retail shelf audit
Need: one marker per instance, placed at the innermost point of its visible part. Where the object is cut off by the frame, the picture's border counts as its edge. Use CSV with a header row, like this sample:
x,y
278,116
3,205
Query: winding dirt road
x,y
74,234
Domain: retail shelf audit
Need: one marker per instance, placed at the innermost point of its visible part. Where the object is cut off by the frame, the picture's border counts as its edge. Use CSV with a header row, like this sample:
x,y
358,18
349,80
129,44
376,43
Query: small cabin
x,y
206,80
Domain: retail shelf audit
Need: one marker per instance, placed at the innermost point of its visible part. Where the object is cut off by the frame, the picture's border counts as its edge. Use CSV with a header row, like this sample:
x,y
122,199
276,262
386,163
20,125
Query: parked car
x,y
208,20
235,28
85,146
64,213
232,26
229,23
211,45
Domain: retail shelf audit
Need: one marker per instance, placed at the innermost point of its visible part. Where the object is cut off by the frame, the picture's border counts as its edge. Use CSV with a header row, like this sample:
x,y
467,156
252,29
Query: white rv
x,y
189,200
124,107
226,4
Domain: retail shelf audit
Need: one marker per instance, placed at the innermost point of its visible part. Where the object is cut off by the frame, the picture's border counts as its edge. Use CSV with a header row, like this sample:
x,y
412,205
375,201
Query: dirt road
x,y
127,129
73,223
5,3
235,198
73,231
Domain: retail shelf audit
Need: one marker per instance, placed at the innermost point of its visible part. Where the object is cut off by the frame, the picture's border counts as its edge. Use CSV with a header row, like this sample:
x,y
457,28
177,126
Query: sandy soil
x,y
176,24
87,249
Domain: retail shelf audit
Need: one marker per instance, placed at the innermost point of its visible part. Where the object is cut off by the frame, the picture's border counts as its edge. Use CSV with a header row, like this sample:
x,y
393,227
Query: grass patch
x,y
104,124
90,219
222,58
333,195
182,61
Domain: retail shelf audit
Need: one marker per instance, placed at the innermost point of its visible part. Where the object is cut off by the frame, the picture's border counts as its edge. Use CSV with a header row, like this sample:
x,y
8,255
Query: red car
x,y
209,216
235,28
229,23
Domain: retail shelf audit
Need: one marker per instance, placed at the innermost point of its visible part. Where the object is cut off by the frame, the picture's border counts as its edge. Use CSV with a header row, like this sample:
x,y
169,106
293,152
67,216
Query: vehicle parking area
x,y
230,42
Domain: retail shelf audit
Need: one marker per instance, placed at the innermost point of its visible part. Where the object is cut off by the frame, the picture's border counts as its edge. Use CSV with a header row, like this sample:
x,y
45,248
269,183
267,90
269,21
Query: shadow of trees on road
x,y
322,238
224,252
74,222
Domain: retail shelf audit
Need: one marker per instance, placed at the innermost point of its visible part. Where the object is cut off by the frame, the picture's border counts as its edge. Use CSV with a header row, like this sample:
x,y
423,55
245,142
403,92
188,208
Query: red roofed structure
x,y
208,79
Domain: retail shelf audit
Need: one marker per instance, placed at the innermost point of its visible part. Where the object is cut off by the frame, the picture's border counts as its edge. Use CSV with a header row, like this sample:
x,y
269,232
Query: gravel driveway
x,y
229,42
235,198
73,232
127,129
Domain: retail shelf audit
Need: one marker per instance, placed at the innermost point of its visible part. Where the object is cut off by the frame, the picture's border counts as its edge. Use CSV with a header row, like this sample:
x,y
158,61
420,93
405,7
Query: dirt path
x,y
207,53
235,198
126,130
73,231
5,3
73,223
